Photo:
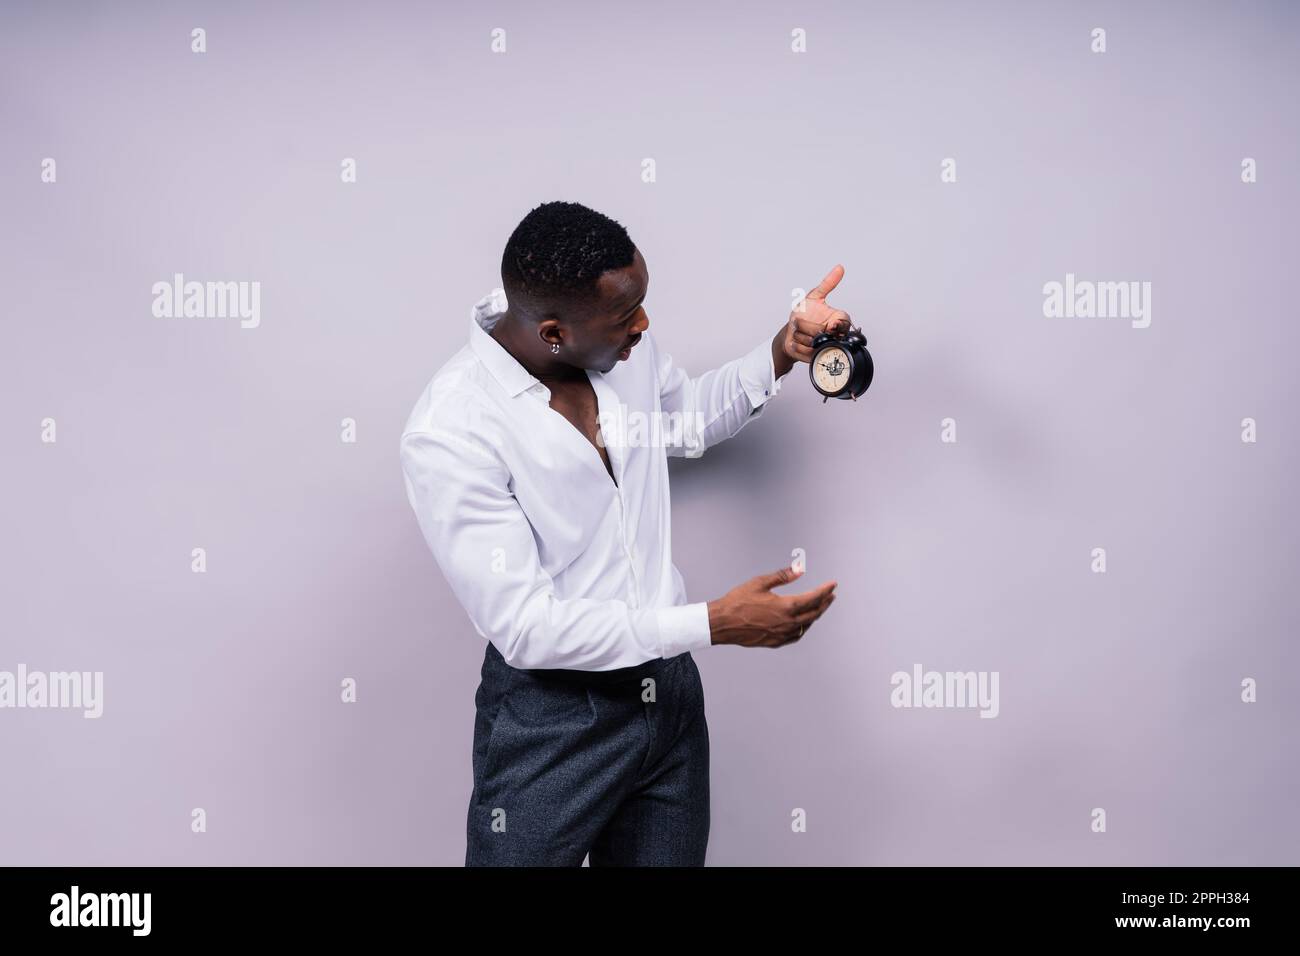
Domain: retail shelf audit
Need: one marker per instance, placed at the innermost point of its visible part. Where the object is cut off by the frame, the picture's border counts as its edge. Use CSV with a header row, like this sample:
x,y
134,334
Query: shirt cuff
x,y
684,627
758,374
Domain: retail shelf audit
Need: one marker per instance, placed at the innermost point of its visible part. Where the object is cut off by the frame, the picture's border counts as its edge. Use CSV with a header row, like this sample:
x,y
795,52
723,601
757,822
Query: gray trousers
x,y
571,763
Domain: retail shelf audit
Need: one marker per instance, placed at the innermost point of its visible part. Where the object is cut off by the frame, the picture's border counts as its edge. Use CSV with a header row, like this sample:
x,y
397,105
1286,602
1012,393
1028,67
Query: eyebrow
x,y
632,308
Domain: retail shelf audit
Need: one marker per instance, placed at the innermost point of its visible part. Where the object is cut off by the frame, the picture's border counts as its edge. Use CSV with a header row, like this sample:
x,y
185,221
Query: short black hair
x,y
559,251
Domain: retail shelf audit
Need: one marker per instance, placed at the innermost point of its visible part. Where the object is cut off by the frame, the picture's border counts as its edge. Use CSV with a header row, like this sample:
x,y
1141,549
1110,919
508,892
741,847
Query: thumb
x,y
777,578
828,284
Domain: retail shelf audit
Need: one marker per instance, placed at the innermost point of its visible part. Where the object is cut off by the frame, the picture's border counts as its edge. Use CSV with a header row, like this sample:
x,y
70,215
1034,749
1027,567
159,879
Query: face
x,y
831,369
607,331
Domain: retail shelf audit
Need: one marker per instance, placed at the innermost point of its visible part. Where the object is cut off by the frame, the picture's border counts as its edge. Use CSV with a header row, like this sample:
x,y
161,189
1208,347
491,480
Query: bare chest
x,y
577,403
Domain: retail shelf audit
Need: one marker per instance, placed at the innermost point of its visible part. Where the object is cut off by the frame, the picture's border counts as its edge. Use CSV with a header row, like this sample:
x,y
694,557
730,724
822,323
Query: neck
x,y
531,352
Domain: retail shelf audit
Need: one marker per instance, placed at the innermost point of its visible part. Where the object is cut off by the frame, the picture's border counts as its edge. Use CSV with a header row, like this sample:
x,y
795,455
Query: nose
x,y
641,324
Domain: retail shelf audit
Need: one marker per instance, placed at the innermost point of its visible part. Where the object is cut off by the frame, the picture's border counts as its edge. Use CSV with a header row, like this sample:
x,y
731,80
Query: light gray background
x,y
222,690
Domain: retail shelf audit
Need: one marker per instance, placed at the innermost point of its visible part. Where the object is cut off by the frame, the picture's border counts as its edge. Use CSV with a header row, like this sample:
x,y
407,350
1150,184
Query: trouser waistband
x,y
617,675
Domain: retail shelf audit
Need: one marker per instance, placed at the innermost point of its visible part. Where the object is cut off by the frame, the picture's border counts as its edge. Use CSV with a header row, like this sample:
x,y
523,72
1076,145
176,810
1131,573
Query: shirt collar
x,y
512,376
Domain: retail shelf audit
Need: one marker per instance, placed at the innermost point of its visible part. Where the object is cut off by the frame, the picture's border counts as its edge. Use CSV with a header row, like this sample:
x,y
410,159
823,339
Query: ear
x,y
548,330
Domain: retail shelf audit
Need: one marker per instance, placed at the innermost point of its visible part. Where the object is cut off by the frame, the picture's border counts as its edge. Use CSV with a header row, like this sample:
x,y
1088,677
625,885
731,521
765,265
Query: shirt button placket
x,y
622,531
618,458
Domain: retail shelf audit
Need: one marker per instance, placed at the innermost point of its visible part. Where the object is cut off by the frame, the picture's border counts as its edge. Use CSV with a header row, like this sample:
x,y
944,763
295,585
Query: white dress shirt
x,y
555,564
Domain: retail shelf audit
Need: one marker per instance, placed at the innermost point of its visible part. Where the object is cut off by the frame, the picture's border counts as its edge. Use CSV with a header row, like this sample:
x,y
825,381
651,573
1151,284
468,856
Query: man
x,y
536,463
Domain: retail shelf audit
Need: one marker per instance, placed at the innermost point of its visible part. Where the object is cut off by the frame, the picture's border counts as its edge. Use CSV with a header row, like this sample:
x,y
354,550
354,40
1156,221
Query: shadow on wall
x,y
879,470
802,453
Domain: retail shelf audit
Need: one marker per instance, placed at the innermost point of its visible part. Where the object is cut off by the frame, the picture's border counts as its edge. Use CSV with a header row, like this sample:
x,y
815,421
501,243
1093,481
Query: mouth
x,y
627,351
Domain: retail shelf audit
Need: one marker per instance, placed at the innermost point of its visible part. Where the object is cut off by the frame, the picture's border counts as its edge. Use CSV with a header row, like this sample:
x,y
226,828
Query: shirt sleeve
x,y
701,411
484,544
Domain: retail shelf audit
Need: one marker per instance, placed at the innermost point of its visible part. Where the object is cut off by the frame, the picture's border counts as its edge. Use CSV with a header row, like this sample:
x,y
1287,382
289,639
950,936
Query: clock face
x,y
831,369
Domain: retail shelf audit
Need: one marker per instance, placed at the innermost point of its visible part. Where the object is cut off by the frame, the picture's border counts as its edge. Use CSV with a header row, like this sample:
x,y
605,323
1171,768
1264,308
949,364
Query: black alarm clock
x,y
841,366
